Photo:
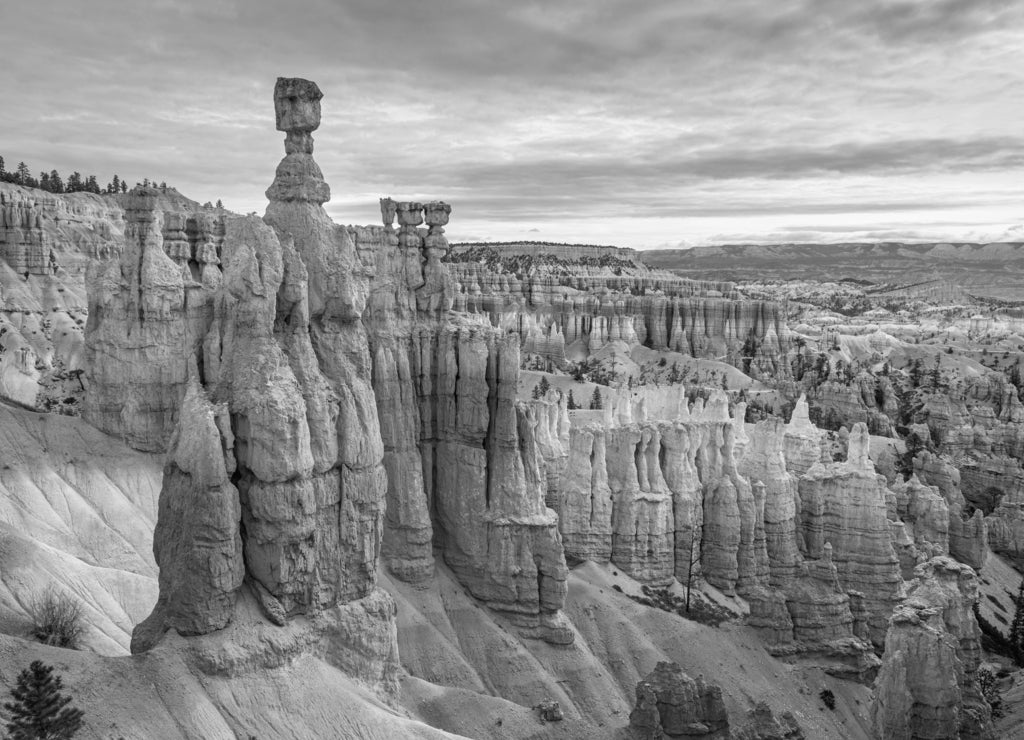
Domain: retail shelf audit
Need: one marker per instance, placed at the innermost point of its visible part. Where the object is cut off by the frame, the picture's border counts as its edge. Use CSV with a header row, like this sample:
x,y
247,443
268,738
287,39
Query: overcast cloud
x,y
614,121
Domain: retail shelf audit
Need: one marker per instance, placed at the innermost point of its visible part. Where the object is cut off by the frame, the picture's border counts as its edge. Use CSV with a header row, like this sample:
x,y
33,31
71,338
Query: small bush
x,y
828,698
990,690
56,619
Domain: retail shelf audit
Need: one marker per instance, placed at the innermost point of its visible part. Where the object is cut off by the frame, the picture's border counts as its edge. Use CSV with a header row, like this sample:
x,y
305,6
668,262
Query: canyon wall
x,y
555,308
46,243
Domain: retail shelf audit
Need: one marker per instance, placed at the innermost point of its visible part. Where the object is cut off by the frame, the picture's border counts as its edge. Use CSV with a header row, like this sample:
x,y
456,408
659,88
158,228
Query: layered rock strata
x,y
968,533
46,241
819,557
593,307
279,437
977,425
844,504
327,361
927,686
147,316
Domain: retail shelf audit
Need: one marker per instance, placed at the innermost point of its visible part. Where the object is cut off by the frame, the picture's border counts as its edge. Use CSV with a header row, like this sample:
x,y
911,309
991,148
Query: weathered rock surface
x,y
148,314
553,308
968,533
327,382
46,241
978,425
670,704
926,686
803,440
279,405
844,505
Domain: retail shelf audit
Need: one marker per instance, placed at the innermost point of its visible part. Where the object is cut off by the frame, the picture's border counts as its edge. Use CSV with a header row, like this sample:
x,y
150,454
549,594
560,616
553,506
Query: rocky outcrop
x,y
147,317
553,308
926,686
326,359
277,449
670,704
763,724
968,533
844,504
197,543
46,241
664,499
803,440
487,481
864,398
45,234
978,426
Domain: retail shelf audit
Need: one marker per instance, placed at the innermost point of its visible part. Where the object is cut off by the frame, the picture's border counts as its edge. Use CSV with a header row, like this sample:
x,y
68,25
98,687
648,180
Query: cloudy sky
x,y
631,122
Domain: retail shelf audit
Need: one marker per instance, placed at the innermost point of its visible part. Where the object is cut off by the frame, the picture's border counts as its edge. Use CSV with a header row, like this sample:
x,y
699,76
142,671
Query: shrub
x,y
56,619
39,710
828,698
990,690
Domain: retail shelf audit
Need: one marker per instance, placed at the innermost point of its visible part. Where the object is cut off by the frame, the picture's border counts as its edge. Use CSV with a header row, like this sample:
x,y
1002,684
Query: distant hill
x,y
989,270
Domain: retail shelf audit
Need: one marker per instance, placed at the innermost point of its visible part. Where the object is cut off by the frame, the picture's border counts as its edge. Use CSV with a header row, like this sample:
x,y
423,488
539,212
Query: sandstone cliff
x,y
557,307
46,241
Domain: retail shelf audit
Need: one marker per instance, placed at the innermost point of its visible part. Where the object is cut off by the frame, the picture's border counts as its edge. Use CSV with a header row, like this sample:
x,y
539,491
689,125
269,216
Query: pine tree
x,y
1017,626
570,403
115,185
595,400
220,204
3,170
124,186
39,711
56,182
543,387
74,182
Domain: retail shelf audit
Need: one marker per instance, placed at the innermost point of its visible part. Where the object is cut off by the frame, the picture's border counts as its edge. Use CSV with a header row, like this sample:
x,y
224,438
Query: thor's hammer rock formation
x,y
326,381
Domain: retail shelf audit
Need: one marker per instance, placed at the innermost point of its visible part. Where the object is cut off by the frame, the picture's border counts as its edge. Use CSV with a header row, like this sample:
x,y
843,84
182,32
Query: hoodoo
x,y
354,462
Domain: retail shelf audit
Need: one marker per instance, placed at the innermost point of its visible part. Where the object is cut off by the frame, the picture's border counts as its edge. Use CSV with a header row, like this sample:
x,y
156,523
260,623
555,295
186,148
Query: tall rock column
x,y
390,319
844,504
275,475
927,685
335,373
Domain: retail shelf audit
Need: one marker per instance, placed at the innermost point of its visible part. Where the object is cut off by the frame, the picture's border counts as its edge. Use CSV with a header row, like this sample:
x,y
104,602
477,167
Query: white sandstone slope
x,y
77,509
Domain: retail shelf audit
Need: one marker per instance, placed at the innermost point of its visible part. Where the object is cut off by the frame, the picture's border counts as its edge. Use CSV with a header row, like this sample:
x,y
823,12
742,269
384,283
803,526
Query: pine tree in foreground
x,y
39,711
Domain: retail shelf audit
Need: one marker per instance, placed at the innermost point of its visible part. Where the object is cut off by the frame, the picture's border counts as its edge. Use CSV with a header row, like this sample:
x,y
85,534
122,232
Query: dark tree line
x,y
76,182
